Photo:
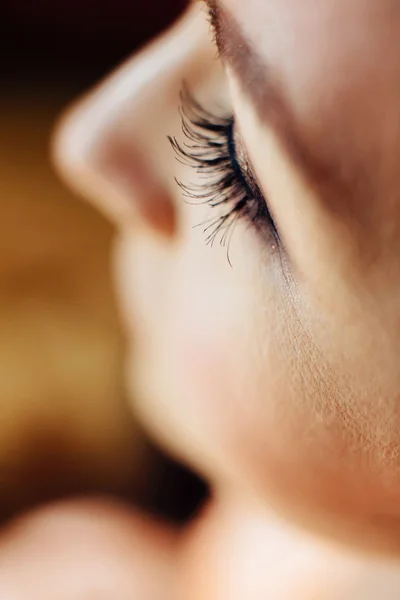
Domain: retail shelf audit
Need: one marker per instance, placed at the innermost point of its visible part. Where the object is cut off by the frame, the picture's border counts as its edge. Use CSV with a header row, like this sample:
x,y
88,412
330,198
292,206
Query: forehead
x,y
311,30
311,11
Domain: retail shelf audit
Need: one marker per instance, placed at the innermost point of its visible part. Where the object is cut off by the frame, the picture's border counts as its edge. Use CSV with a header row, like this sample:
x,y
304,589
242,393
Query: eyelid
x,y
242,156
247,172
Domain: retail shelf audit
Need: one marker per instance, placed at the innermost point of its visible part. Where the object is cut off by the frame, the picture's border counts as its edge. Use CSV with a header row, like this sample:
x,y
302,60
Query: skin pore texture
x,y
276,376
343,248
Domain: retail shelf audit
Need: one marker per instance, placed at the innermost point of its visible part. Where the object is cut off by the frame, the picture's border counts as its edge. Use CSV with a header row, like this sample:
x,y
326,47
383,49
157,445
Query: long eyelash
x,y
209,148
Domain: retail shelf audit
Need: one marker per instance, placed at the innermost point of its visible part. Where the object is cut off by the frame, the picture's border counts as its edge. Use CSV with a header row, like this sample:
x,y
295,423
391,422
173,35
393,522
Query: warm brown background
x,y
64,422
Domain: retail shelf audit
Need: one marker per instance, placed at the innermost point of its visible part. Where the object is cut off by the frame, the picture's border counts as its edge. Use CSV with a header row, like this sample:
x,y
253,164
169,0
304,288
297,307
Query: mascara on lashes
x,y
228,182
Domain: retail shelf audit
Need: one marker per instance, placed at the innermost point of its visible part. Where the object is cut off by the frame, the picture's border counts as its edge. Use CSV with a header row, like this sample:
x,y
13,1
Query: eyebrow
x,y
322,167
237,52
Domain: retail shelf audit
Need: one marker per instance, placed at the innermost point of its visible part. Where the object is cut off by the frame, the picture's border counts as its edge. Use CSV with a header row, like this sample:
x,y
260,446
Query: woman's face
x,y
270,361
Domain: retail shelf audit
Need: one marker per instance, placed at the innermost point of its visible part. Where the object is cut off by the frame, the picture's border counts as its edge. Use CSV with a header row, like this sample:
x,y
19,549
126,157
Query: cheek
x,y
195,348
226,373
236,402
217,381
209,358
228,382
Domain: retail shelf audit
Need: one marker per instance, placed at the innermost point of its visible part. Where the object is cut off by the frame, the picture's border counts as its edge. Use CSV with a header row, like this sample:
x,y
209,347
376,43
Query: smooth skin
x,y
277,378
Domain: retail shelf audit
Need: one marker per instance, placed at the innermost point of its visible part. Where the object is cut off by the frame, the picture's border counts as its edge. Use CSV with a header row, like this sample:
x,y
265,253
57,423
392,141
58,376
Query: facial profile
x,y
250,165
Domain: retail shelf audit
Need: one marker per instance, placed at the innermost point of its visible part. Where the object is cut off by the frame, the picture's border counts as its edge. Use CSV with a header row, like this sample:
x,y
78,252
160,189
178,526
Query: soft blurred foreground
x,y
64,418
65,425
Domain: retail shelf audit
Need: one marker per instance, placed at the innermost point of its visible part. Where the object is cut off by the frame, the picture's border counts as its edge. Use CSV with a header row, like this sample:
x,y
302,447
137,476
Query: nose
x,y
112,147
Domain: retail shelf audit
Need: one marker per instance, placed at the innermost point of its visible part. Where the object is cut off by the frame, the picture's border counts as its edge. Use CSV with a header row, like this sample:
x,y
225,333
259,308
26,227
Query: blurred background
x,y
65,427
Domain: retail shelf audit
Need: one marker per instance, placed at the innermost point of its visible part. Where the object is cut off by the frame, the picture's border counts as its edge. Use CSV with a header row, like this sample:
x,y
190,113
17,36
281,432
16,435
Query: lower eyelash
x,y
210,149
